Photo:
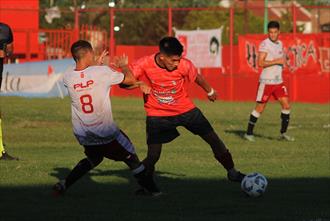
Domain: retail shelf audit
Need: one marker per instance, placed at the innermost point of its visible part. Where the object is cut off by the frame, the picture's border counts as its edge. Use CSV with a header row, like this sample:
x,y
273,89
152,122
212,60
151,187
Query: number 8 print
x,y
86,102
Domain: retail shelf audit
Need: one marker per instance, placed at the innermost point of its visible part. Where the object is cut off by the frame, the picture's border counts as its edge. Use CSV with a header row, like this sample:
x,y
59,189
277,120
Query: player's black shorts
x,y
119,149
163,129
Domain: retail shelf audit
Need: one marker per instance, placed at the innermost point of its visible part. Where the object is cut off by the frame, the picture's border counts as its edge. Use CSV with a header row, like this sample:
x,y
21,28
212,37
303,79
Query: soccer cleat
x,y
286,137
147,183
6,156
144,192
59,188
249,137
235,177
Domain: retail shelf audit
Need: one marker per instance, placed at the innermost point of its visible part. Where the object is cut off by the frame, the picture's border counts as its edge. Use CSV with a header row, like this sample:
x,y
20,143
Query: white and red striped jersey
x,y
89,90
274,50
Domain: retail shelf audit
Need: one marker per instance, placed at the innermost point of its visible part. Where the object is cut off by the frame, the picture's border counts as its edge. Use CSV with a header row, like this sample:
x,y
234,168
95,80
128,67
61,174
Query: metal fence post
x,y
294,75
231,45
76,25
112,37
169,11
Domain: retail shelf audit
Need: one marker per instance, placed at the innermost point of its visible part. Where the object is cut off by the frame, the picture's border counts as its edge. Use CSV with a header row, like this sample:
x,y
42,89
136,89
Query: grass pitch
x,y
39,132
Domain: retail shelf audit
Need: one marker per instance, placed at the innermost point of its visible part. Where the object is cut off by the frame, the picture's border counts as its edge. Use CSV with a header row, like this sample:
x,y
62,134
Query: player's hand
x,y
120,61
146,89
213,97
100,60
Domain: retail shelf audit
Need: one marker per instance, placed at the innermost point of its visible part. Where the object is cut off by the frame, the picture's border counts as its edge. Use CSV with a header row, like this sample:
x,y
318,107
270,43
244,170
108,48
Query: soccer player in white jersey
x,y
89,87
271,59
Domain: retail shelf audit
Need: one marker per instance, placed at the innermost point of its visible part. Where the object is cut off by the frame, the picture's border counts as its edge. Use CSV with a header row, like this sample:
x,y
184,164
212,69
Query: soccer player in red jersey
x,y
168,106
271,59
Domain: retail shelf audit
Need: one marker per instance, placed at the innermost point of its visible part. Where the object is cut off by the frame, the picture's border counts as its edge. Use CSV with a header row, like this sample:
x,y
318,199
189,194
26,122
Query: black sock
x,y
78,171
285,122
146,180
252,122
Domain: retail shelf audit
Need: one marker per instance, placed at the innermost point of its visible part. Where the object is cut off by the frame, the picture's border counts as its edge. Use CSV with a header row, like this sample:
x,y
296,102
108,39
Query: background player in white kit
x,y
271,59
89,87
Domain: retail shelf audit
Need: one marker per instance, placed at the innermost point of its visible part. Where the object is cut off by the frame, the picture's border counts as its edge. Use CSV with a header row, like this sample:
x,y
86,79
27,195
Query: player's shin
x,y
226,160
2,149
145,180
81,169
285,118
252,121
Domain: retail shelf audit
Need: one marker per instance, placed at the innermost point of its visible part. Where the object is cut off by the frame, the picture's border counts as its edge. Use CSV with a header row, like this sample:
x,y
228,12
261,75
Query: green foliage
x,y
216,18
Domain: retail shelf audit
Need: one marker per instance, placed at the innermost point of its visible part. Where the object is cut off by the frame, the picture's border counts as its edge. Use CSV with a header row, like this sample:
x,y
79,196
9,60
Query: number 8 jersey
x,y
89,90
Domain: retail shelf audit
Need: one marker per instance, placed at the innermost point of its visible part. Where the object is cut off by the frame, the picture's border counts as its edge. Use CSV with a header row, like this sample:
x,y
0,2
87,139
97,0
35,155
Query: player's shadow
x,y
240,134
61,172
96,197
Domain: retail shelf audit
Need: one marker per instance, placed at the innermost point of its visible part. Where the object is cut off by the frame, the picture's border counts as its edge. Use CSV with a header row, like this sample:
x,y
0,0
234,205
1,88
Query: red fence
x,y
147,25
242,85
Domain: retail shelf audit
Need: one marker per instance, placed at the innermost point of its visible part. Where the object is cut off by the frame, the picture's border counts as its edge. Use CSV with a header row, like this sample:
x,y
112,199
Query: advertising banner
x,y
202,47
305,53
35,79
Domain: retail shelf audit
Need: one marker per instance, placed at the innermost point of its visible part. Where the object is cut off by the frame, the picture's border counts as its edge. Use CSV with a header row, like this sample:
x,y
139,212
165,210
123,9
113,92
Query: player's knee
x,y
286,107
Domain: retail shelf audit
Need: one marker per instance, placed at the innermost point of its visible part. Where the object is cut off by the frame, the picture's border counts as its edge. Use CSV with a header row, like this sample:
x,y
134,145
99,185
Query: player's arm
x,y
146,89
262,62
211,93
7,51
122,63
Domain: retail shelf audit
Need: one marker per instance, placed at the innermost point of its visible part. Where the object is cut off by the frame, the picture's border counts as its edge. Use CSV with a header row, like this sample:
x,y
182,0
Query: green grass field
x,y
39,132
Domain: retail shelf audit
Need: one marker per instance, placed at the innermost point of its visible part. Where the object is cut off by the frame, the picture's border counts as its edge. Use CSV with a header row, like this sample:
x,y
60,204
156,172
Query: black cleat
x,y
144,192
148,185
59,189
236,177
6,156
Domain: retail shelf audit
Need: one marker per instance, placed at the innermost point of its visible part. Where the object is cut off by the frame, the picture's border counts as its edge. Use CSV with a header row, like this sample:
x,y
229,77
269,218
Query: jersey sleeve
x,y
137,68
190,71
112,76
263,47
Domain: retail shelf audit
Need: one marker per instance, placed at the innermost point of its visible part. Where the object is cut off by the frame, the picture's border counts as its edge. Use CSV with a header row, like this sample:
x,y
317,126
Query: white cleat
x,y
286,137
249,138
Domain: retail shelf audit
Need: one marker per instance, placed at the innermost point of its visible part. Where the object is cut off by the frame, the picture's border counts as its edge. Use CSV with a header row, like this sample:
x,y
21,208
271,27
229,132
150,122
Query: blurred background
x,y
45,29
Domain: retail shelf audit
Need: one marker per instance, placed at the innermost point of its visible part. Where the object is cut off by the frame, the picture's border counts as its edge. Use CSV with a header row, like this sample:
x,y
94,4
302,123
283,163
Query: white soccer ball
x,y
254,184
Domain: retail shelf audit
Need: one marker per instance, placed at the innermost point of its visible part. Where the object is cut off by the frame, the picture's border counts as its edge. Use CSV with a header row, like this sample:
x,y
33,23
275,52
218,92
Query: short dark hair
x,y
273,24
79,48
170,46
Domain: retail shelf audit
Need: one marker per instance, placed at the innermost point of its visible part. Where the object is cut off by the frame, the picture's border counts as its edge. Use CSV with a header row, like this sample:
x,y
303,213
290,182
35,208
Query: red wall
x,y
23,18
241,86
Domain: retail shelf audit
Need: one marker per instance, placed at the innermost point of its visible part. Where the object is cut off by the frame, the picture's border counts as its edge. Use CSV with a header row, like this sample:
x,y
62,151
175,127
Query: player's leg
x,y
254,116
223,156
122,149
159,130
285,118
2,149
281,94
144,179
94,158
3,154
263,94
196,122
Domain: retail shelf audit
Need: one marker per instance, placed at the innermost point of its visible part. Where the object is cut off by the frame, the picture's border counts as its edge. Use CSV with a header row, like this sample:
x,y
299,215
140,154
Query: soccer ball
x,y
254,184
